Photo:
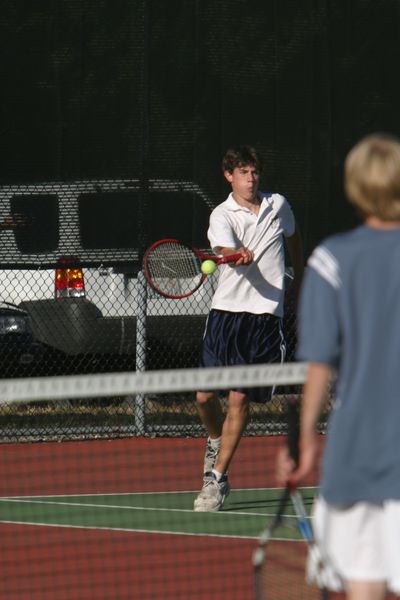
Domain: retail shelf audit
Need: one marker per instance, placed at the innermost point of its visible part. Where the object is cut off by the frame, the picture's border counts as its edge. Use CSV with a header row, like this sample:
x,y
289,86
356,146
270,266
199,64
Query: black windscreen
x,y
38,218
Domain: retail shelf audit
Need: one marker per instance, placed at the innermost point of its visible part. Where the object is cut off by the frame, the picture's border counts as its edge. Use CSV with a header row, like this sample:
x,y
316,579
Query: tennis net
x,y
110,514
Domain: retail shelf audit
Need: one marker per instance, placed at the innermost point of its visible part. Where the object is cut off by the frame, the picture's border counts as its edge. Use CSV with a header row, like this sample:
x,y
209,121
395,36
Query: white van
x,y
71,257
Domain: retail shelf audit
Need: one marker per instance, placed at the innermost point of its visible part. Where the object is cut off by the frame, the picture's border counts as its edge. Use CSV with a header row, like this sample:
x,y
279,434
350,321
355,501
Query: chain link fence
x,y
75,301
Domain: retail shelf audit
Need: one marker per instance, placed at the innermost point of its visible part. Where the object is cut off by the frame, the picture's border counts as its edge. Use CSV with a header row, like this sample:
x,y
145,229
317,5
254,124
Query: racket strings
x,y
174,268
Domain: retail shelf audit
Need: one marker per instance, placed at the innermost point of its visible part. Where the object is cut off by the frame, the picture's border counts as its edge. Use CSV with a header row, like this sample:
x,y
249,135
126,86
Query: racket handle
x,y
228,259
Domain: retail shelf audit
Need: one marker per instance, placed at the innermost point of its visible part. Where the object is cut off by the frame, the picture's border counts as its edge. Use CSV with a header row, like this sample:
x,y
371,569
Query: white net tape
x,y
164,381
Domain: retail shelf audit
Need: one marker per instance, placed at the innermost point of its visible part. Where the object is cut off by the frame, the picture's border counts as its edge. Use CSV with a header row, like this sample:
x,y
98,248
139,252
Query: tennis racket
x,y
279,561
173,269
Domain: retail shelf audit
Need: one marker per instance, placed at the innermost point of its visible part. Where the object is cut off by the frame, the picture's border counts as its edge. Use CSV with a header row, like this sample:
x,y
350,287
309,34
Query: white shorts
x,y
360,542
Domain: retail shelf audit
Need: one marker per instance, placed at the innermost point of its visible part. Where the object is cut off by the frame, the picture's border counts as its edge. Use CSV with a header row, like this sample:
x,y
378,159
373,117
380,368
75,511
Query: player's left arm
x,y
315,394
294,247
319,344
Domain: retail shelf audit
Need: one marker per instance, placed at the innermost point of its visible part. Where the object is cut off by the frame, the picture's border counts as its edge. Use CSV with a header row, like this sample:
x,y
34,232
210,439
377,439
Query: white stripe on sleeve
x,y
326,265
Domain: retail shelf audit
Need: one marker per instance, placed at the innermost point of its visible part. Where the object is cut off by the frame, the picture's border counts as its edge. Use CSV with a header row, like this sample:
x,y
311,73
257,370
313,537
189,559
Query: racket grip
x,y
228,259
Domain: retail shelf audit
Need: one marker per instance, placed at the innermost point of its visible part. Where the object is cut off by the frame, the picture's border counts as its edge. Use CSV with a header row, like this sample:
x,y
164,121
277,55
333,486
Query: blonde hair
x,y
372,176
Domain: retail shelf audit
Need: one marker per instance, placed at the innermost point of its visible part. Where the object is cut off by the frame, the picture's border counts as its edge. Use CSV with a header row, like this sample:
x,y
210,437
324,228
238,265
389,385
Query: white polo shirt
x,y
258,287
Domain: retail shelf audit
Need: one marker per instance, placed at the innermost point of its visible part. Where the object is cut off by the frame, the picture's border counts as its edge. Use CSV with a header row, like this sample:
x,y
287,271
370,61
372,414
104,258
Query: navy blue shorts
x,y
243,339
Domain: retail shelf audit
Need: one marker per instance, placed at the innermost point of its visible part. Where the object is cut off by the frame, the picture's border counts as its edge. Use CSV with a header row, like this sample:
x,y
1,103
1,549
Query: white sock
x,y
215,442
217,474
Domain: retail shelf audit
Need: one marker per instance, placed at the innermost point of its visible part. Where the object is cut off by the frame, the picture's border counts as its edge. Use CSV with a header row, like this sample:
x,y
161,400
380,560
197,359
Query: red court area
x,y
57,563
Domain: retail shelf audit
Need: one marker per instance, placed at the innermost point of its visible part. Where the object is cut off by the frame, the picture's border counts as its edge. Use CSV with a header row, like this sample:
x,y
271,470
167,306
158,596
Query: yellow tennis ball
x,y
208,267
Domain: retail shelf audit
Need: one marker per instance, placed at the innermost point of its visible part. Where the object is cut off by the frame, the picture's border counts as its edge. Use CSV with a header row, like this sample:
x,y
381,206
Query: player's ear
x,y
228,176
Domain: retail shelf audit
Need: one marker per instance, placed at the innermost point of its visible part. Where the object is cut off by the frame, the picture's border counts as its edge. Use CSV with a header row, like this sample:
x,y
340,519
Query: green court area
x,y
245,512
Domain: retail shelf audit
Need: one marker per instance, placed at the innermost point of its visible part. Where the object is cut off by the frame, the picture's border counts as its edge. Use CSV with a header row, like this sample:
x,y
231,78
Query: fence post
x,y
141,317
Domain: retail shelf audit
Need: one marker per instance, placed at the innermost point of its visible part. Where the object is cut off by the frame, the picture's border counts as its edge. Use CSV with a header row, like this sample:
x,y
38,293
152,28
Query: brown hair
x,y
241,156
372,176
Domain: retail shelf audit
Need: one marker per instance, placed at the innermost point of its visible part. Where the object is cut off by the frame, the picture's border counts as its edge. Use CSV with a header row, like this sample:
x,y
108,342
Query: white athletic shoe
x,y
210,457
213,494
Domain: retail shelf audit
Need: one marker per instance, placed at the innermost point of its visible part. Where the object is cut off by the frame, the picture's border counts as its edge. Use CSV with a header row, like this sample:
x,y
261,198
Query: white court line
x,y
305,488
153,531
119,507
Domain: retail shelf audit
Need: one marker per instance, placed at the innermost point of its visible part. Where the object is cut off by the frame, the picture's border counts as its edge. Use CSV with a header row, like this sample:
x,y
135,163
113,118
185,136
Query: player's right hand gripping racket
x,y
173,269
280,561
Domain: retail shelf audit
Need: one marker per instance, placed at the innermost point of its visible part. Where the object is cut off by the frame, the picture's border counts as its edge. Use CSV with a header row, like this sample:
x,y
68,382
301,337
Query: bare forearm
x,y
315,395
247,255
224,251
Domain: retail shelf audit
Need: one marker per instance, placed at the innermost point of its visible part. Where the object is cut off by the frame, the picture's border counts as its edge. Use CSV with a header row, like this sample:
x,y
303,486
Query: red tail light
x,y
69,279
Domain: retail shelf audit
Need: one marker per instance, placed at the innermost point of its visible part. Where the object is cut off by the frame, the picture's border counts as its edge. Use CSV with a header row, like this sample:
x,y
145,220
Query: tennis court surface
x,y
113,518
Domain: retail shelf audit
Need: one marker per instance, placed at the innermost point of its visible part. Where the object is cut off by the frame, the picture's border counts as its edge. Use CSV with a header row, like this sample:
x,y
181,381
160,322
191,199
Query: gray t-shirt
x,y
350,319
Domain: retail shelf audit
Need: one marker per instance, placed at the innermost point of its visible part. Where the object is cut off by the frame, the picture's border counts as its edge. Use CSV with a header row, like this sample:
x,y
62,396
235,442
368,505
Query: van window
x,y
39,212
182,215
109,220
123,220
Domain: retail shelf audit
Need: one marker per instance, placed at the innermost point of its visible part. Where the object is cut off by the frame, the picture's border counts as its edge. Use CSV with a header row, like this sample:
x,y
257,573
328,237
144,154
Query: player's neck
x,y
377,223
253,204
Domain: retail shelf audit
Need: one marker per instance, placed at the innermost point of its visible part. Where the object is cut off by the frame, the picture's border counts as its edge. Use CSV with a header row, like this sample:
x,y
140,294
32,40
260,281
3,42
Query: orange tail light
x,y
69,281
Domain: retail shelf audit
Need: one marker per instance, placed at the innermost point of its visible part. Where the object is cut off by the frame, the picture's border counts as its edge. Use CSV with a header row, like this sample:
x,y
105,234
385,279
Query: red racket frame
x,y
202,256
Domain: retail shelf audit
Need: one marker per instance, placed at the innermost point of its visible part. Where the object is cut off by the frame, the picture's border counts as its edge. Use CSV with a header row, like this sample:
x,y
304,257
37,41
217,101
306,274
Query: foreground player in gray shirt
x,y
350,324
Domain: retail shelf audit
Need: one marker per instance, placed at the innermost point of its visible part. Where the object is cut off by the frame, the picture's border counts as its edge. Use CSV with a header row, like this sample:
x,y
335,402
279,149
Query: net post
x,y
141,318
